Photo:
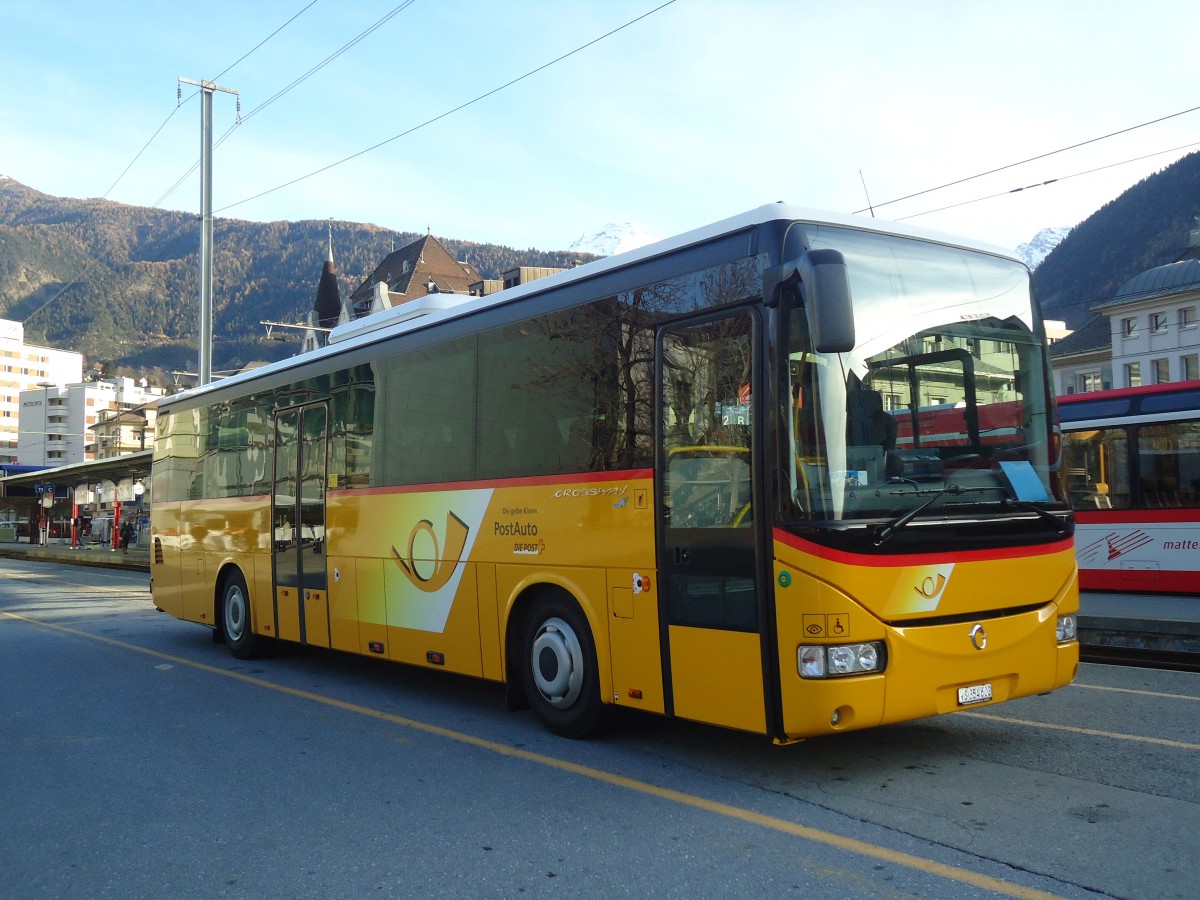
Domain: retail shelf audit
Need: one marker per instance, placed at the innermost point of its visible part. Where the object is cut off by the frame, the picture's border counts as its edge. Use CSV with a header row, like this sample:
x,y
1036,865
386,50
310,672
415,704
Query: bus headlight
x,y
1065,629
821,661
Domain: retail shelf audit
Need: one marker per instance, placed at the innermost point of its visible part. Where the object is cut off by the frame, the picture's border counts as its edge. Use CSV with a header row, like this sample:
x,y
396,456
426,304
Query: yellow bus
x,y
789,473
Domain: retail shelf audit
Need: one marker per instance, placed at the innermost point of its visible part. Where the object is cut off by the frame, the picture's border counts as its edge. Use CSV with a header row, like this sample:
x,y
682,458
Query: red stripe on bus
x,y
919,559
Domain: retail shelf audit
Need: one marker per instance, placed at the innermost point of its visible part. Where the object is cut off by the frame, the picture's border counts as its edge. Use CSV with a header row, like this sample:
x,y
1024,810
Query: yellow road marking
x,y
929,867
1090,732
1117,690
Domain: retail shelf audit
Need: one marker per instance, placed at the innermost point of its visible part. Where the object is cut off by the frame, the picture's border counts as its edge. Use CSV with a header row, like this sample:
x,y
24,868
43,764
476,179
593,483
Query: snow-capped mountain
x,y
1039,248
613,238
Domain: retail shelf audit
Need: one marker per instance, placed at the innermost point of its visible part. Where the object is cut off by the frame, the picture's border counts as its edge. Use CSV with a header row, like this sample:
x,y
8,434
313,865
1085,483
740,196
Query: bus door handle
x,y
683,555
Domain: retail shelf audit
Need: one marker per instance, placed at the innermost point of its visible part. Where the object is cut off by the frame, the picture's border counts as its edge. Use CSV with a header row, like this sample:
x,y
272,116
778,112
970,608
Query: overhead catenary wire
x,y
1094,140
449,112
257,46
552,62
387,17
282,91
92,209
1048,181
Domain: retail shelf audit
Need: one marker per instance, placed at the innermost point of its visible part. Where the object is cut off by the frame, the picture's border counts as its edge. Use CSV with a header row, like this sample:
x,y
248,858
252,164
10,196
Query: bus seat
x,y
867,423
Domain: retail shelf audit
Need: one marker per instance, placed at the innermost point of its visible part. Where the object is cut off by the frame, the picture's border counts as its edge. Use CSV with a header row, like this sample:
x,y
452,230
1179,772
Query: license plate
x,y
976,693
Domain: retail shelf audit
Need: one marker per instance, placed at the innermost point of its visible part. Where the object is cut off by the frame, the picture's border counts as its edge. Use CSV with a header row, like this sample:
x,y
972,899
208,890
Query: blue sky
x,y
699,111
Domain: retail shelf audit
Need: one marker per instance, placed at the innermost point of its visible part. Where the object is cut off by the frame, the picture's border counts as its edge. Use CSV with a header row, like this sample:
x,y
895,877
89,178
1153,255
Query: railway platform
x,y
1114,625
136,558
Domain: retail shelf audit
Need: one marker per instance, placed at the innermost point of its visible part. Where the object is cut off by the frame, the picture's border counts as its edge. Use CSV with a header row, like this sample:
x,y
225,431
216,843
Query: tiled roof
x,y
409,270
1095,335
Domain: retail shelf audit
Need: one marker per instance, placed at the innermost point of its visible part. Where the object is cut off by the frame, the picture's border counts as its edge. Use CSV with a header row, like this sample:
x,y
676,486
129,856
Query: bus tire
x,y
559,669
235,619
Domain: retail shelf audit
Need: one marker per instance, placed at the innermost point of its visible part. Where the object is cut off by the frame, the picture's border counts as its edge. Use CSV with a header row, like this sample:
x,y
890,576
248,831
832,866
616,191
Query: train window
x,y
1169,465
1096,465
1173,401
1094,409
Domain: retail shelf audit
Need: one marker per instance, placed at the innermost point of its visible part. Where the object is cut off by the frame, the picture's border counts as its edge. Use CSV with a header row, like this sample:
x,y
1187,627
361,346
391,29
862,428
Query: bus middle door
x,y
707,527
298,524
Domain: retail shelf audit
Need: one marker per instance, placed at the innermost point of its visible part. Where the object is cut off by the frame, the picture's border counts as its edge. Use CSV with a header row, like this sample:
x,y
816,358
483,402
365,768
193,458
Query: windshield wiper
x,y
884,532
1059,524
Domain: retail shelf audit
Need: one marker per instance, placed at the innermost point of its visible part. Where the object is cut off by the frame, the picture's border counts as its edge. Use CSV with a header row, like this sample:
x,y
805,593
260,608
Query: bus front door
x,y
298,518
709,593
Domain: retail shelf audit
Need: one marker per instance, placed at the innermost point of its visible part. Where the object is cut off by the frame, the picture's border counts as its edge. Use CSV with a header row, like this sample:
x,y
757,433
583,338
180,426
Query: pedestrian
x,y
126,535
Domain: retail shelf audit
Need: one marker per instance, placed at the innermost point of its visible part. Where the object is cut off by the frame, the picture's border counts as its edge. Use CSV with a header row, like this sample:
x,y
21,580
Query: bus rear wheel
x,y
240,638
560,674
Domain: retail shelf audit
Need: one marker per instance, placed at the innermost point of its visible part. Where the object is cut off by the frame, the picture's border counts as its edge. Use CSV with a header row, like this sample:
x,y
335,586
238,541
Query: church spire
x,y
328,302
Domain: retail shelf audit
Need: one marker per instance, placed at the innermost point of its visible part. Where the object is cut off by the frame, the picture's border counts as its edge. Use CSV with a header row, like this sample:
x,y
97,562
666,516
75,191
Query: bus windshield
x,y
944,395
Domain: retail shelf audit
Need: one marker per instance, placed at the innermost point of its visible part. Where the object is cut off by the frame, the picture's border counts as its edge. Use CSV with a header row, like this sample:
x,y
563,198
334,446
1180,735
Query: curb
x,y
135,560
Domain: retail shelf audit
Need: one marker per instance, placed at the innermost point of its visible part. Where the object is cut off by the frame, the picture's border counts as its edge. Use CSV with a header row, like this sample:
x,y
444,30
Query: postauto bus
x,y
669,480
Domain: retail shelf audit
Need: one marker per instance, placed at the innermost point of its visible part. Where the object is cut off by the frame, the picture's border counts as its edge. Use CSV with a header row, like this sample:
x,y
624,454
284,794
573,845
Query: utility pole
x,y
206,223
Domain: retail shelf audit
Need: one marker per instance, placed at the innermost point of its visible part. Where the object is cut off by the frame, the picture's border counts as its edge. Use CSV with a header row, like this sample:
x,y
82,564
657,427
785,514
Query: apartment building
x,y
23,368
62,424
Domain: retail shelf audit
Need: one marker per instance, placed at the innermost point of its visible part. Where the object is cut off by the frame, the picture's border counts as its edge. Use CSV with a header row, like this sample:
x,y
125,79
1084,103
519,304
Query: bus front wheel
x,y
240,638
560,674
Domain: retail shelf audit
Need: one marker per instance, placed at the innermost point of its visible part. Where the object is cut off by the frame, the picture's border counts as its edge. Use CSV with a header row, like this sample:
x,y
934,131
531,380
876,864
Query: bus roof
x,y
424,312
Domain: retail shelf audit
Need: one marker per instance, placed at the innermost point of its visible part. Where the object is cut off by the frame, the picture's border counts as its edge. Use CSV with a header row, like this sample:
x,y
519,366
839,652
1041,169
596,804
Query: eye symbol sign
x,y
444,562
814,629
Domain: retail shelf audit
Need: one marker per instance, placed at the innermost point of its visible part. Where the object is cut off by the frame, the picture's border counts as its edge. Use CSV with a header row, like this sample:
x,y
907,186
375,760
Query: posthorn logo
x,y
430,571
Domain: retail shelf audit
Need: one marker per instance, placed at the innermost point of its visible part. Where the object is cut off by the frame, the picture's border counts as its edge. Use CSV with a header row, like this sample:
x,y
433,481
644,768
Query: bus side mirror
x,y
825,287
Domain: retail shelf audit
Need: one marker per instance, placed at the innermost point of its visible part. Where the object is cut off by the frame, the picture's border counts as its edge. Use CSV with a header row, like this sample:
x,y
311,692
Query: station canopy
x,y
133,466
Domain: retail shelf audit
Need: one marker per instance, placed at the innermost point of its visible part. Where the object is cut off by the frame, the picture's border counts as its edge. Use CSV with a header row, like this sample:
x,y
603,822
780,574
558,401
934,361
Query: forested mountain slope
x,y
120,283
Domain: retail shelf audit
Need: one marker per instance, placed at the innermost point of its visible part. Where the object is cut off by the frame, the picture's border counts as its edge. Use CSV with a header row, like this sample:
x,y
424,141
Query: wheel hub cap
x,y
557,663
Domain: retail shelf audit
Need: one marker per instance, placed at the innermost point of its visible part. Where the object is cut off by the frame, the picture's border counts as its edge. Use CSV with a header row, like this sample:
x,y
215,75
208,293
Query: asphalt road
x,y
138,759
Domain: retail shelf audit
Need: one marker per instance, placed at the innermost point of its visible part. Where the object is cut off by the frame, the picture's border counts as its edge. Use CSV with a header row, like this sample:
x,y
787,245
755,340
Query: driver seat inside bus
x,y
867,423
870,434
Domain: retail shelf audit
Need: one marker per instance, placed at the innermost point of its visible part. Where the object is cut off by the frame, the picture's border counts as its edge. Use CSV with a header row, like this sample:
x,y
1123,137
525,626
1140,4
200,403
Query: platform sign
x,y
106,491
125,490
